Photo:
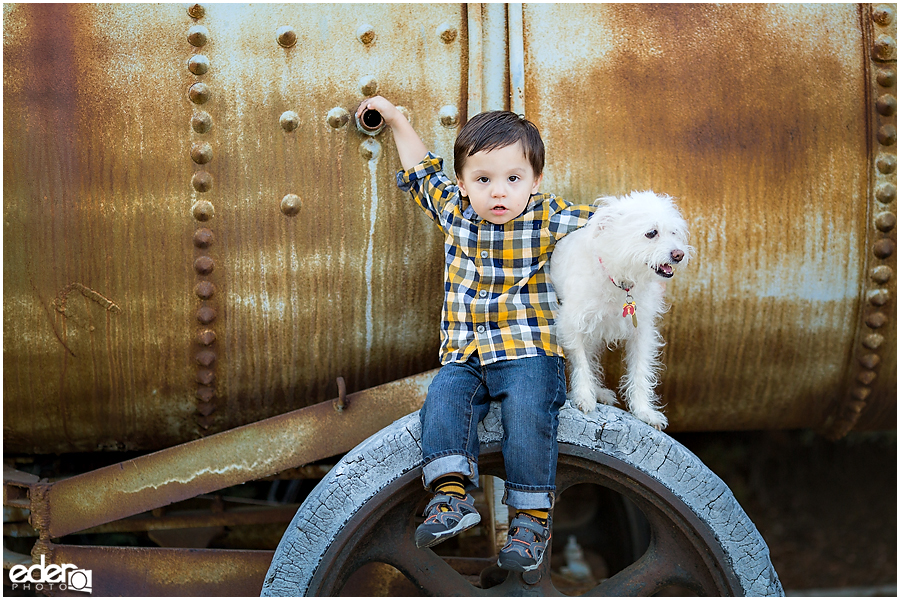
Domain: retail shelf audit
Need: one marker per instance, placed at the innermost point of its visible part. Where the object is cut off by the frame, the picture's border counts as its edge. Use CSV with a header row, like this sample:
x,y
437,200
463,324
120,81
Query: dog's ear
x,y
603,216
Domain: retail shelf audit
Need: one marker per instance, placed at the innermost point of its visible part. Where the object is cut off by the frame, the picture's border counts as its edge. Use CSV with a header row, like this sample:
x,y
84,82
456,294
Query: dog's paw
x,y
607,396
585,404
652,417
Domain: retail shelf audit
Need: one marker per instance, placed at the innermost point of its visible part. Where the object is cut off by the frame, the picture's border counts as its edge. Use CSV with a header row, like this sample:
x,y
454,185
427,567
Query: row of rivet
x,y
201,153
878,296
289,120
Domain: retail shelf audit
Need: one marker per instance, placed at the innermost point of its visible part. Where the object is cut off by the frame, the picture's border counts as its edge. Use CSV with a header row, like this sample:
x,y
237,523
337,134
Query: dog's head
x,y
641,234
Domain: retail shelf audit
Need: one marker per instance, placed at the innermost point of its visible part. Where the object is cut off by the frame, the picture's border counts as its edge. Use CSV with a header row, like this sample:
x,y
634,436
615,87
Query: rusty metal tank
x,y
196,236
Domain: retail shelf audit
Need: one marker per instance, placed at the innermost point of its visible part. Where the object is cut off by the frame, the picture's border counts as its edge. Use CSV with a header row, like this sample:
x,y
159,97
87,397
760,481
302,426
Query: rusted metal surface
x,y
112,164
124,571
197,237
875,348
756,118
221,460
178,520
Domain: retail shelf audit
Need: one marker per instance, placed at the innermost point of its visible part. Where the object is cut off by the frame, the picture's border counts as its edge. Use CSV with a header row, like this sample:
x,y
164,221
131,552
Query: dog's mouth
x,y
665,270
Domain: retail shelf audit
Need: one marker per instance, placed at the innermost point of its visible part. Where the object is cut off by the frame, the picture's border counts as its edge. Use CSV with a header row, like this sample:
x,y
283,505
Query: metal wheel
x,y
363,514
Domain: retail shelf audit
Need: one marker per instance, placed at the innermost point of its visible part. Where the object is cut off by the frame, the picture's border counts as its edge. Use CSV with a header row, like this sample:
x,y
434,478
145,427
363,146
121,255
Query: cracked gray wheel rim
x,y
362,511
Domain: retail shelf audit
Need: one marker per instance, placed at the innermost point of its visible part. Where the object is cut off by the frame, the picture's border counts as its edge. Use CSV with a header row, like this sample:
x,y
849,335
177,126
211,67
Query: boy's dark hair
x,y
498,129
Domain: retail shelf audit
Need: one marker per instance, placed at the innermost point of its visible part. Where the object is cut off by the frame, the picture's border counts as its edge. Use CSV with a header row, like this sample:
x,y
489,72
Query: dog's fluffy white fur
x,y
632,242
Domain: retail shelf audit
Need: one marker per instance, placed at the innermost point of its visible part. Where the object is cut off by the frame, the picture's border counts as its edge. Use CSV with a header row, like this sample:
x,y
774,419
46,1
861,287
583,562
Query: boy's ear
x,y
537,183
462,186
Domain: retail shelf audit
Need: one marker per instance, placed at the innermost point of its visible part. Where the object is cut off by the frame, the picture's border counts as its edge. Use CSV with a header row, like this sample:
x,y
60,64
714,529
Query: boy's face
x,y
499,183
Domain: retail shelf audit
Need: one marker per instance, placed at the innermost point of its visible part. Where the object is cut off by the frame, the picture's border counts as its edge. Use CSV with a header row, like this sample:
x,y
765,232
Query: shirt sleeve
x,y
429,186
566,217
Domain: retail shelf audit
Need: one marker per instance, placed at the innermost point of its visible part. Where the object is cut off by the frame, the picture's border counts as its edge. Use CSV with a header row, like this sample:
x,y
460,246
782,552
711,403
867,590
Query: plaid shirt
x,y
498,300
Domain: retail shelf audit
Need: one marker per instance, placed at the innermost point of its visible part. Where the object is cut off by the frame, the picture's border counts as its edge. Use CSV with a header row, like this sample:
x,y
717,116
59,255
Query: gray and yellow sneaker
x,y
446,516
526,544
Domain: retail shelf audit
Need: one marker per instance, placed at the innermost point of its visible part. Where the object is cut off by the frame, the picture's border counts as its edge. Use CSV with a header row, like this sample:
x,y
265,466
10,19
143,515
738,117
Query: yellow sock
x,y
450,484
539,514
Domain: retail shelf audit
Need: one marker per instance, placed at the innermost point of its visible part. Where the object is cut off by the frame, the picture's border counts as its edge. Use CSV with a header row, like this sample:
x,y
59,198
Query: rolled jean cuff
x,y
529,500
454,463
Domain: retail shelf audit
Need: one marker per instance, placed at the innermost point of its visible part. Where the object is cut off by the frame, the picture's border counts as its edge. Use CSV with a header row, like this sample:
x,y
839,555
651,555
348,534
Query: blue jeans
x,y
530,391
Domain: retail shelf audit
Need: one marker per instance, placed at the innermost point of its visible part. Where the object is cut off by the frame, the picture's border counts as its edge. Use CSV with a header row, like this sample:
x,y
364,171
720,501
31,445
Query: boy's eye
x,y
483,179
514,178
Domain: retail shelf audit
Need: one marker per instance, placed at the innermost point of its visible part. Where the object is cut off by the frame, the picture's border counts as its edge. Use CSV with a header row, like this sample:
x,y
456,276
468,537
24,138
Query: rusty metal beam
x,y
166,571
225,459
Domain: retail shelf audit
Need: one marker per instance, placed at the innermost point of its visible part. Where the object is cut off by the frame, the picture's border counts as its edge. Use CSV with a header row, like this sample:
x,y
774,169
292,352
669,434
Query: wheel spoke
x,y
429,572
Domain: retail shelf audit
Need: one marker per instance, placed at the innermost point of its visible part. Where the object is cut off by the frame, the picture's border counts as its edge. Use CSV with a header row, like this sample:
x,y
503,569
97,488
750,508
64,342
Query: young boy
x,y
498,339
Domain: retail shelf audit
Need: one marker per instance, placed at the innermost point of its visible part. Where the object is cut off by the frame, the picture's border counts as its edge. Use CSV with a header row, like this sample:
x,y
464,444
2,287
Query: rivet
x,y
202,181
887,135
203,210
886,77
206,315
370,123
861,393
876,320
368,85
882,274
205,393
873,341
286,36
206,408
885,221
365,34
198,35
205,289
203,238
290,204
370,148
199,93
449,116
206,337
289,120
198,64
883,15
206,357
885,47
446,32
197,11
878,297
886,105
886,163
866,377
869,361
204,265
205,376
201,153
884,248
886,193
338,117
201,122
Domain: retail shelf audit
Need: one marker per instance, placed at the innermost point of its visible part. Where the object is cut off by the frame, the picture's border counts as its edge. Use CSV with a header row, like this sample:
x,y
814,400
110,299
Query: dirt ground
x,y
827,510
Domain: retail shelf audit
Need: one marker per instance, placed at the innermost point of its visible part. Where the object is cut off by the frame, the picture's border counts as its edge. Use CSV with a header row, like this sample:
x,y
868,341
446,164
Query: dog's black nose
x,y
677,255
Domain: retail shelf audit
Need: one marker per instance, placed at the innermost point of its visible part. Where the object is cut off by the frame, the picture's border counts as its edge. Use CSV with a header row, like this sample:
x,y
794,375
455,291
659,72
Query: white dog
x,y
610,280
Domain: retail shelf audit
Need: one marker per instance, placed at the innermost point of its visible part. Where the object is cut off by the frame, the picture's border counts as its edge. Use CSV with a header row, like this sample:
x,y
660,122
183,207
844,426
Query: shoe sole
x,y
519,568
467,522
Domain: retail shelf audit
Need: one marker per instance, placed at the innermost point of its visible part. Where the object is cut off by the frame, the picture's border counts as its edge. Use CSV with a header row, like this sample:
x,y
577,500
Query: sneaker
x,y
526,545
446,516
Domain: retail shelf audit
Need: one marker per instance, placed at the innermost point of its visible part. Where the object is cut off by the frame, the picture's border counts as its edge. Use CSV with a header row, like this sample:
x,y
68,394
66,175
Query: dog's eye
x,y
651,234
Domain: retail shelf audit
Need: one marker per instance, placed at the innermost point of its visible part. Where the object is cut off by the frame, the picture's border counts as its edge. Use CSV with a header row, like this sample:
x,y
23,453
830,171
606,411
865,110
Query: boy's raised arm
x,y
409,146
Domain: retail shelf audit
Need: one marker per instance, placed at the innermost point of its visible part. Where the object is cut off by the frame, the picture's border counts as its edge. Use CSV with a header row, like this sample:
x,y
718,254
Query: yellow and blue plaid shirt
x,y
498,300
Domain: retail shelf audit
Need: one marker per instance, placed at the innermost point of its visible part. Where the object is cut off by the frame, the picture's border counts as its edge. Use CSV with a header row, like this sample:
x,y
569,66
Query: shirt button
x,y
482,293
481,329
484,254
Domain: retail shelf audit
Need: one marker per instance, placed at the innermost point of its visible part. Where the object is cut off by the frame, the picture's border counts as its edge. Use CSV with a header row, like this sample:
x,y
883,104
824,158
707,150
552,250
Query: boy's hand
x,y
409,146
388,111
